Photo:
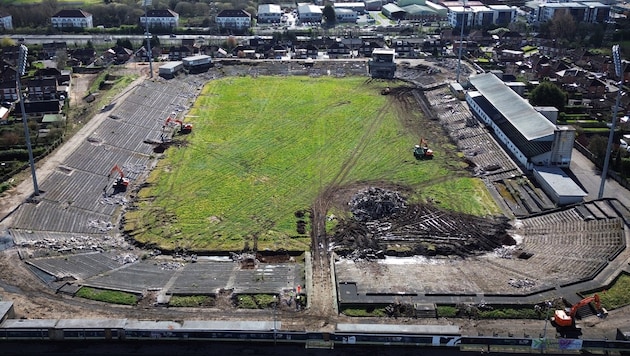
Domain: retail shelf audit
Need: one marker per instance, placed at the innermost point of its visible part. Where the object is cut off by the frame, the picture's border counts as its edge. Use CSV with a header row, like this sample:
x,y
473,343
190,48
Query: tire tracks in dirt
x,y
322,294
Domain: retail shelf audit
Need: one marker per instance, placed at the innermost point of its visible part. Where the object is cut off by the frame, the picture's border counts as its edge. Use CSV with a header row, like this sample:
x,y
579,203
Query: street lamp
x,y
21,69
619,74
544,338
146,3
461,43
275,306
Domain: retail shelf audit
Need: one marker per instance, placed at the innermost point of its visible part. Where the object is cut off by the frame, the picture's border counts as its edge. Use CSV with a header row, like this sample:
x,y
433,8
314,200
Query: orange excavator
x,y
183,127
121,182
562,319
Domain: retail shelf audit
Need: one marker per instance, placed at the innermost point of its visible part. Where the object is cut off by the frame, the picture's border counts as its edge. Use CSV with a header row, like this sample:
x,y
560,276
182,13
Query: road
x,y
589,177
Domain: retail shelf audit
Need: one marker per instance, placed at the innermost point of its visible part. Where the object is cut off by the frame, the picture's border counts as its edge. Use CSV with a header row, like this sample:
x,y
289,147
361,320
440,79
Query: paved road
x,y
589,177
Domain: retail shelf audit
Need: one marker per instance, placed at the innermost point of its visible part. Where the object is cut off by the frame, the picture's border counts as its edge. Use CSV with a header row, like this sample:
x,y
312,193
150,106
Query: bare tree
x,y
563,26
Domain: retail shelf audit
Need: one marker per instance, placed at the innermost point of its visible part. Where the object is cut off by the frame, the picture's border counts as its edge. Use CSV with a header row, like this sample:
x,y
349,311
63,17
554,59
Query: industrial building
x,y
531,138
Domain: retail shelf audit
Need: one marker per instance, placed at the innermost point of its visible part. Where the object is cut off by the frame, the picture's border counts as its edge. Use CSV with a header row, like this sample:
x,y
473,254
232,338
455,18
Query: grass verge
x,y
191,301
107,296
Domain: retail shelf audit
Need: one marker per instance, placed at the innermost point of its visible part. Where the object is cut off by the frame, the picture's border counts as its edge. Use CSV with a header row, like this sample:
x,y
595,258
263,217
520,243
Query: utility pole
x,y
619,74
146,3
20,70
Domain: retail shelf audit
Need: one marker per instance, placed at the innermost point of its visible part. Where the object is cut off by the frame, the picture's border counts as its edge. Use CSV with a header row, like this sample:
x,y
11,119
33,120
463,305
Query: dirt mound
x,y
383,224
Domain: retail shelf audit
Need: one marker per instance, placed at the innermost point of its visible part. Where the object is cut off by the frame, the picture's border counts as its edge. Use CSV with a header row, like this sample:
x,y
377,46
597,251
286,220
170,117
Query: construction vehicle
x,y
422,150
121,183
184,128
566,317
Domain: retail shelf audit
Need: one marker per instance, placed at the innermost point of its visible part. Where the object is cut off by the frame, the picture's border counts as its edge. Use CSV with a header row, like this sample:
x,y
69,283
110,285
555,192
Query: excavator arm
x,y
561,318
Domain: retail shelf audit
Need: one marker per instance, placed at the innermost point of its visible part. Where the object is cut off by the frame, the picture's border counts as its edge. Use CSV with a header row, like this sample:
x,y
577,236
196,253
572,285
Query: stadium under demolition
x,y
391,253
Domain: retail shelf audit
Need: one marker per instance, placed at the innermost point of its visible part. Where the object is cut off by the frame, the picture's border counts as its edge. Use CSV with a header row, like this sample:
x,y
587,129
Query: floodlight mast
x,y
146,3
20,70
619,74
461,43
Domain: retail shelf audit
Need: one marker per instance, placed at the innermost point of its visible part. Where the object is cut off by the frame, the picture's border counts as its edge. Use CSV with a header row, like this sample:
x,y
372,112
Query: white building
x,y
590,12
269,13
234,20
531,138
358,7
6,21
72,19
309,13
503,14
346,15
481,15
160,19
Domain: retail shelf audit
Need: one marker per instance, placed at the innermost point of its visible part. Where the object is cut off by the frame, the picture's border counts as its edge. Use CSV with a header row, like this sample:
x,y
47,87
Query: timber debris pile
x,y
383,223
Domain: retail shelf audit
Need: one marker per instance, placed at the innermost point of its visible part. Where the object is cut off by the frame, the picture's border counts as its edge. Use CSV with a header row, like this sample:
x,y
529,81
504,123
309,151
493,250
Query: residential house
x,y
51,49
69,19
306,51
176,53
143,55
61,76
81,56
338,50
160,19
6,21
37,109
269,13
10,55
234,20
403,49
367,47
118,54
42,89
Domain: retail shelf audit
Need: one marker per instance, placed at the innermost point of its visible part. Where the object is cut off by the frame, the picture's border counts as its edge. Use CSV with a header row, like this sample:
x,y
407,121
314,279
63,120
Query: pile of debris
x,y
383,224
376,203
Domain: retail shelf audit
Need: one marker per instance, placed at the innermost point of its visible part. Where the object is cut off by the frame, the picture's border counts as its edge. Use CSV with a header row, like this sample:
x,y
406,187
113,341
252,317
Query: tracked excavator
x,y
422,150
184,128
121,183
564,318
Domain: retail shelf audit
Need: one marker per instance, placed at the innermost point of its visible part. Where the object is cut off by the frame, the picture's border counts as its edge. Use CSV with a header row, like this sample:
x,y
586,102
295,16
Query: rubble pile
x,y
74,243
376,203
383,224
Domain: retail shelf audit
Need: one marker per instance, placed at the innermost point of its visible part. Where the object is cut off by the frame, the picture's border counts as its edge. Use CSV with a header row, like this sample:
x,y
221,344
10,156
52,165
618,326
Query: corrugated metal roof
x,y
528,148
530,123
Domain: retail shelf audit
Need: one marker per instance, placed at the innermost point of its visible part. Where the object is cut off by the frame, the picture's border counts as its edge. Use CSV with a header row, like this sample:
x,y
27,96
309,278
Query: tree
x,y
548,94
329,15
562,26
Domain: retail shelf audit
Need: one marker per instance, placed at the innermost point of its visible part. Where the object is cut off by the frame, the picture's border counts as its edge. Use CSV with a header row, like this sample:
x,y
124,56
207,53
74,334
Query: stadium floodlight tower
x,y
461,43
20,70
619,74
147,34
